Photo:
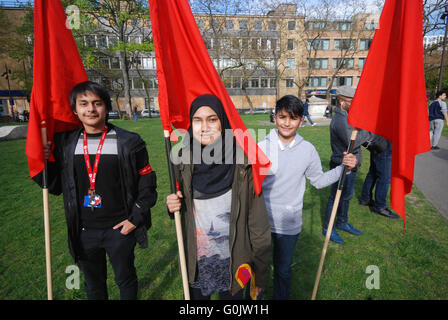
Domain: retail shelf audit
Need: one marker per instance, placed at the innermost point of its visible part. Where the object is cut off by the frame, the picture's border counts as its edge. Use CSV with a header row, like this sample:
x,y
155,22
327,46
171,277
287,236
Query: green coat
x,y
250,232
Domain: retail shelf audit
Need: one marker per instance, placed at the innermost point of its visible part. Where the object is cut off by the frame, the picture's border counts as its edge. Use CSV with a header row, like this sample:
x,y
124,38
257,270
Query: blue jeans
x,y
379,175
309,119
344,202
283,252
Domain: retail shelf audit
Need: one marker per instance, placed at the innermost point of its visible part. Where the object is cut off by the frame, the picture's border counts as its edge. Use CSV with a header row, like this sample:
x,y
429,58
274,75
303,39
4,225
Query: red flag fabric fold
x,y
185,71
57,68
391,96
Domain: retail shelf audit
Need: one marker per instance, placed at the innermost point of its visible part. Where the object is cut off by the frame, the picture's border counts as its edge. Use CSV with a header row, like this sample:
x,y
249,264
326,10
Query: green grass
x,y
412,261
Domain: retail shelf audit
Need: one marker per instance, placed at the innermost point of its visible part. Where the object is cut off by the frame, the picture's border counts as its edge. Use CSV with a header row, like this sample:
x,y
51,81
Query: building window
x,y
112,41
149,63
319,44
104,63
343,26
137,83
264,82
291,25
90,41
243,24
229,24
342,81
290,63
227,82
344,44
273,44
370,25
346,63
258,25
102,41
264,44
316,25
289,82
255,83
273,82
321,63
236,83
272,25
115,63
291,45
255,43
364,44
361,62
317,82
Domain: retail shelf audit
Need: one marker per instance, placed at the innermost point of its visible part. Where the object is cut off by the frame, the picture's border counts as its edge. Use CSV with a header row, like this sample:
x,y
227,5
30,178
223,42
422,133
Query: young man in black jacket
x,y
108,186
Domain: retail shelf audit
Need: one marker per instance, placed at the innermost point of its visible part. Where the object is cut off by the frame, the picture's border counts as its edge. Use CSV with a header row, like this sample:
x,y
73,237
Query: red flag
x,y
391,96
57,68
185,71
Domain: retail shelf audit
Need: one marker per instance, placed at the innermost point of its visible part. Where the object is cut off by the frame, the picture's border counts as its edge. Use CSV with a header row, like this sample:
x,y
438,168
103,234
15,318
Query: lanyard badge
x,y
92,199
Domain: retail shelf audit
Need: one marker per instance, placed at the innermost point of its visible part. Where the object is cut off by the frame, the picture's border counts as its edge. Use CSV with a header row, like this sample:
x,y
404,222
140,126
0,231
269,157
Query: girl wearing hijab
x,y
225,224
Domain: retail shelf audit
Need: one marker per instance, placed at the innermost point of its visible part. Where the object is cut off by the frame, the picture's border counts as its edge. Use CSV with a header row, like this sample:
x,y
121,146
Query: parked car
x,y
145,113
114,115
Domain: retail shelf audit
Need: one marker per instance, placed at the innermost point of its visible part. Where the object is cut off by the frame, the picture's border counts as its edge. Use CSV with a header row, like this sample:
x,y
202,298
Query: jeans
x,y
283,252
344,202
309,119
435,131
379,176
120,249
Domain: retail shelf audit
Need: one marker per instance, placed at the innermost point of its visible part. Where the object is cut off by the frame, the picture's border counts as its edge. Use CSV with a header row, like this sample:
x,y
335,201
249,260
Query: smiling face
x,y
206,125
287,125
91,111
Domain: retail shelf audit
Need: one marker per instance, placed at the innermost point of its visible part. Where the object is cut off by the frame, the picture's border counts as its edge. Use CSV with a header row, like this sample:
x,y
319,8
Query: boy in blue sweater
x,y
293,159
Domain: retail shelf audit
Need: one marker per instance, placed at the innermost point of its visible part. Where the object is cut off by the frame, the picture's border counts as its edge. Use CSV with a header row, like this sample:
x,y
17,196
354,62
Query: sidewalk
x,y
431,176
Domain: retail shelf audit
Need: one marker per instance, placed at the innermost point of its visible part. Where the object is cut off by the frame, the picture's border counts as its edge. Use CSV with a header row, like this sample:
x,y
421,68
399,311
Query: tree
x,y
120,20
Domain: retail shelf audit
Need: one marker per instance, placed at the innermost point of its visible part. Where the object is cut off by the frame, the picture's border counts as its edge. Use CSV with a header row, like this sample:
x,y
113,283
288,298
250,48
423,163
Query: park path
x,y
431,176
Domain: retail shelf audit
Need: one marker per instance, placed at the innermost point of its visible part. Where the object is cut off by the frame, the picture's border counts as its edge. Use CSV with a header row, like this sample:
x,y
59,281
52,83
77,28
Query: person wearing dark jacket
x,y
225,224
108,187
340,133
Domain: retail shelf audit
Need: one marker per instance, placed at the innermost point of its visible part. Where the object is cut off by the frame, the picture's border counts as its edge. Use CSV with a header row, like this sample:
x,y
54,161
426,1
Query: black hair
x,y
93,87
291,104
439,93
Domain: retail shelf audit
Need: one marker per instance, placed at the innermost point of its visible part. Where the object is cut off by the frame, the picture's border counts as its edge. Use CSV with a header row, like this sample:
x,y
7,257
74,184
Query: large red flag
x,y
57,68
391,96
185,71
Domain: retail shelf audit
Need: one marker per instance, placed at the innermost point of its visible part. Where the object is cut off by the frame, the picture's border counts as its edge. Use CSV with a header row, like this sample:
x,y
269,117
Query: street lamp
x,y
445,15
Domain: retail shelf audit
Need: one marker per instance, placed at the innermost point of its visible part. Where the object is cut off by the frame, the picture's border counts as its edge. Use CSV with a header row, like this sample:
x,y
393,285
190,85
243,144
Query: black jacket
x,y
139,191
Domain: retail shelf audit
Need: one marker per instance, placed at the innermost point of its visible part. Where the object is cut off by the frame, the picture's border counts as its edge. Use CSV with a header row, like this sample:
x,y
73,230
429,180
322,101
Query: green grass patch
x,y
412,262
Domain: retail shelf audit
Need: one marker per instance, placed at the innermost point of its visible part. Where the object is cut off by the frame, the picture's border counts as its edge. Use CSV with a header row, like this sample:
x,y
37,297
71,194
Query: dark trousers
x,y
283,252
195,294
96,243
344,202
379,176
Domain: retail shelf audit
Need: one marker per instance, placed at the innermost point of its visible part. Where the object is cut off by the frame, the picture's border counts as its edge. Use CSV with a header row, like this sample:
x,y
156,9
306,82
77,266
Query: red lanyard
x,y
92,175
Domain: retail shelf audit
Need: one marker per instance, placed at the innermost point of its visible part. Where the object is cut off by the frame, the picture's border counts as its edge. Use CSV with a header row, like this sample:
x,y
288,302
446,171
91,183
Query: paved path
x,y
13,132
431,176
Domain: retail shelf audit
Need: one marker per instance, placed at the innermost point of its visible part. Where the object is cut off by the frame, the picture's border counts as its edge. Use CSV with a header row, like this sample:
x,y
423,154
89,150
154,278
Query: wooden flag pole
x,y
180,239
333,216
46,219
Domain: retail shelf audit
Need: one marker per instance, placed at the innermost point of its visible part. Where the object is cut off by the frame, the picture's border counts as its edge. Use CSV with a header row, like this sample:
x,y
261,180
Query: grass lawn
x,y
412,262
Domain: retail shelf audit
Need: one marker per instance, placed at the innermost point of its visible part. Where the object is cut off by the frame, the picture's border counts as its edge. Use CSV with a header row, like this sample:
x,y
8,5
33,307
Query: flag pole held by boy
x,y
57,68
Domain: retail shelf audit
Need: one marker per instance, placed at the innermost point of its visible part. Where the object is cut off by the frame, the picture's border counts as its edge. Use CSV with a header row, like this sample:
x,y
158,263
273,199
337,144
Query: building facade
x,y
259,57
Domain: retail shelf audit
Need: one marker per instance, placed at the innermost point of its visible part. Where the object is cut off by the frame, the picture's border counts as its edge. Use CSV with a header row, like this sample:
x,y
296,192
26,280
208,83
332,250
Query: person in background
x,y
437,113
